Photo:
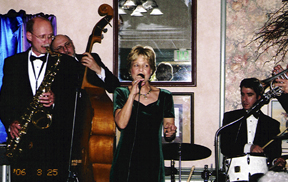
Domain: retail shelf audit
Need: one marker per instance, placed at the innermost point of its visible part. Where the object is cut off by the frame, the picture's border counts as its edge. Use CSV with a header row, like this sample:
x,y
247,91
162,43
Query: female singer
x,y
139,112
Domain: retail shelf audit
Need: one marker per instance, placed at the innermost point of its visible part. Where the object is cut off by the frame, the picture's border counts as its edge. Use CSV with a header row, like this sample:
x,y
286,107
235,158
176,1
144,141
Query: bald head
x,y
63,44
38,20
39,34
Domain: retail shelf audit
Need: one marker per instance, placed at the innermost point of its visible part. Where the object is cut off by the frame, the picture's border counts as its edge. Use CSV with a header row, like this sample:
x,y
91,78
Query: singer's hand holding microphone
x,y
138,83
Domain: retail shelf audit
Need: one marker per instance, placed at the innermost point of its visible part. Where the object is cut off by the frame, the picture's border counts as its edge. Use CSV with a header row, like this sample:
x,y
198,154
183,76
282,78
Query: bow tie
x,y
256,114
42,58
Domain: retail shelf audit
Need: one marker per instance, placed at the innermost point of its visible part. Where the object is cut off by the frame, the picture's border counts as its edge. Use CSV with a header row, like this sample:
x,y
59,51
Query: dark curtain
x,y
13,40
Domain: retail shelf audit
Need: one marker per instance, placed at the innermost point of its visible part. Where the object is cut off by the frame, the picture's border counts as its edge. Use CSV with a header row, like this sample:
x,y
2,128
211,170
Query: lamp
x,y
141,9
121,11
136,13
138,7
156,11
128,4
149,4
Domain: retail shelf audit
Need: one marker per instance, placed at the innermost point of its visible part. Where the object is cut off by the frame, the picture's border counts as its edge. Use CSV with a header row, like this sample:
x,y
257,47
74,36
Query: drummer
x,y
252,134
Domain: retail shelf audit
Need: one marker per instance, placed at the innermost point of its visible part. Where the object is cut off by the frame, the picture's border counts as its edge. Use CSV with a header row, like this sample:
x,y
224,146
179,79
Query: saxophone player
x,y
23,73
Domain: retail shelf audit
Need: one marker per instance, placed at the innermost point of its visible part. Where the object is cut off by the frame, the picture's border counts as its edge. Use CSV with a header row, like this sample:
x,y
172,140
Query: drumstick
x,y
273,139
191,172
275,165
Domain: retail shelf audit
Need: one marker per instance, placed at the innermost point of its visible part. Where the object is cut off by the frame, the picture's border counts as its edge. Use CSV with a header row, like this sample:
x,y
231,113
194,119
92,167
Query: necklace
x,y
145,95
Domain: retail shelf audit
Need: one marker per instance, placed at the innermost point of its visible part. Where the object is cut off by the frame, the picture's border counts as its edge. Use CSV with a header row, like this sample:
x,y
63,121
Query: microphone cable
x,y
135,132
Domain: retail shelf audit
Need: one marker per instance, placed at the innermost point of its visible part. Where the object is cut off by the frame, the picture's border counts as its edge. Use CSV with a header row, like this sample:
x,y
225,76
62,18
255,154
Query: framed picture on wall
x,y
184,117
277,112
169,27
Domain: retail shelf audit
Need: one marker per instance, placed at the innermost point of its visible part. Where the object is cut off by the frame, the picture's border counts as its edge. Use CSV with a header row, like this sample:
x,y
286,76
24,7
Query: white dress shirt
x,y
36,79
251,130
102,76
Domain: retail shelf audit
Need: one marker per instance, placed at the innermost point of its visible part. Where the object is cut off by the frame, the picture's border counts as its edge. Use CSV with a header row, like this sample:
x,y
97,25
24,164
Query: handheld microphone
x,y
140,83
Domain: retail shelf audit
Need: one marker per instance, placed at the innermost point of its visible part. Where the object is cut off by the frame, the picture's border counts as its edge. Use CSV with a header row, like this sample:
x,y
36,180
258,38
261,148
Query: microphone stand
x,y
135,132
264,100
72,177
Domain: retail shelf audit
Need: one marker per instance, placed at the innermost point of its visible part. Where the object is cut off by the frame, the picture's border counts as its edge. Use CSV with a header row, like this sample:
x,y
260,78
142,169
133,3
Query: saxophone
x,y
35,113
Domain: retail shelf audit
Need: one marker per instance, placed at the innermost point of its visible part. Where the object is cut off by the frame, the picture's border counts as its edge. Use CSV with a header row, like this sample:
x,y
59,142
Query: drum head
x,y
244,167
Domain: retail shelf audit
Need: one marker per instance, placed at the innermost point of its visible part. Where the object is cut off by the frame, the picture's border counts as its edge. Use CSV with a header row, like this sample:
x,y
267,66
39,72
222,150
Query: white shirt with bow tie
x,y
36,79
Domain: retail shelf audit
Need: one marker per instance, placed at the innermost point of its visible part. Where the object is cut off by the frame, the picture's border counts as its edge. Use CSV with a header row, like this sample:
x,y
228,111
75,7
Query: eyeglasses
x,y
43,37
61,48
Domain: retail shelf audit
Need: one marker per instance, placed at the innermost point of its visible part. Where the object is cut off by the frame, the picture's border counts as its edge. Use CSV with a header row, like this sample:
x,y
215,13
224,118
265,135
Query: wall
x,y
244,20
77,19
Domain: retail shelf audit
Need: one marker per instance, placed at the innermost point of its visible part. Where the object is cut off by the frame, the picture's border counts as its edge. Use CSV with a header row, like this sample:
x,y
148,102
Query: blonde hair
x,y
147,52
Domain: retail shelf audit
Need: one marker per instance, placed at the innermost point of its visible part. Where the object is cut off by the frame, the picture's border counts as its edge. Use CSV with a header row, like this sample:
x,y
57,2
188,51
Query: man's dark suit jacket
x,y
233,145
52,144
111,81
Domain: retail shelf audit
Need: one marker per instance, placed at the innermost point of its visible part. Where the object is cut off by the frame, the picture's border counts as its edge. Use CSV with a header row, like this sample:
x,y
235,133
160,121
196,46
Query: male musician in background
x,y
98,74
48,148
251,134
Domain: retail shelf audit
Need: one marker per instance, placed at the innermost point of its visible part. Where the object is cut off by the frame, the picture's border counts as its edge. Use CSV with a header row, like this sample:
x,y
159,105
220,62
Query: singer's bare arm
x,y
123,115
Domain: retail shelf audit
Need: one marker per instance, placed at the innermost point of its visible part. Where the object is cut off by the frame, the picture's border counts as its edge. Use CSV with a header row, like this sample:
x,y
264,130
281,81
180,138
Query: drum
x,y
243,167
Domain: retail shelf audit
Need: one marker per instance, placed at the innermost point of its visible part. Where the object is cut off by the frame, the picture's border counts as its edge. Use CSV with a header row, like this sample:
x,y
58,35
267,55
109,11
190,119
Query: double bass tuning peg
x,y
104,31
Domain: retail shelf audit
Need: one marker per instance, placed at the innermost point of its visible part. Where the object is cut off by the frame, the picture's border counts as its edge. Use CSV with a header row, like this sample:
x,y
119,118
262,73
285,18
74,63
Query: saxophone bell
x,y
42,119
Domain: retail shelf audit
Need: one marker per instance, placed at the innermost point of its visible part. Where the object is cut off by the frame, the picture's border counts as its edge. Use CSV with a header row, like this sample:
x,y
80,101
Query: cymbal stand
x,y
172,166
172,171
180,149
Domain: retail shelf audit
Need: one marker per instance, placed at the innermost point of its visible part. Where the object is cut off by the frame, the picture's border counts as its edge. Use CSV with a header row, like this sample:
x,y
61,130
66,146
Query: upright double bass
x,y
97,141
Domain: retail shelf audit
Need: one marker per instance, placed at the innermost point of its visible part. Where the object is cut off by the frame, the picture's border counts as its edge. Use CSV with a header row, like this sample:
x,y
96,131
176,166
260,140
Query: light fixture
x,y
141,9
121,11
129,4
149,4
136,13
138,7
156,11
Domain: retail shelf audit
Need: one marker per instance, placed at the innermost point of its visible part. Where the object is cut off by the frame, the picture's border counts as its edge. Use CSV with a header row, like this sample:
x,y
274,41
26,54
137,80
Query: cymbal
x,y
186,150
282,137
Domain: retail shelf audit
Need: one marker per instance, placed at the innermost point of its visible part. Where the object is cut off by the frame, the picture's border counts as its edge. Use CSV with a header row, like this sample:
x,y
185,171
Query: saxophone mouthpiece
x,y
46,46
